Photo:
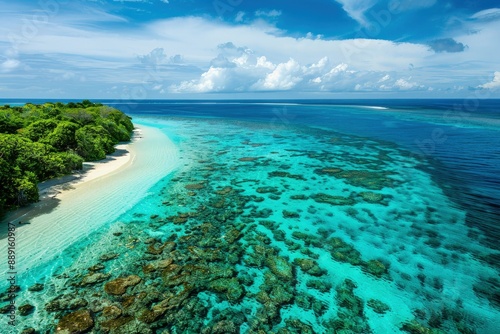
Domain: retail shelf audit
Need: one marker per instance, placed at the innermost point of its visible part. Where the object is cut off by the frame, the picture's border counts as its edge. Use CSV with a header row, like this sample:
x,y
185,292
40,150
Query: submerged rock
x,y
225,326
65,302
344,252
108,257
299,197
280,267
333,200
5,296
76,322
29,330
299,325
25,309
287,175
320,285
5,309
328,171
378,306
230,286
232,235
290,214
309,266
224,191
165,247
366,179
414,327
115,324
266,190
195,186
351,310
94,278
96,267
248,158
36,287
111,312
372,197
376,268
119,286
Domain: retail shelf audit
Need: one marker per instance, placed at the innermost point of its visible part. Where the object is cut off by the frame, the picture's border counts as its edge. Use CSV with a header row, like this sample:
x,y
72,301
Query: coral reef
x,y
247,240
119,286
76,322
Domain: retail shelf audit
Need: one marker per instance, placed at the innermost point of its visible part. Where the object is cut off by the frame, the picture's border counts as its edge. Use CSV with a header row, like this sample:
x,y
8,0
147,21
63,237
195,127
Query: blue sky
x,y
140,49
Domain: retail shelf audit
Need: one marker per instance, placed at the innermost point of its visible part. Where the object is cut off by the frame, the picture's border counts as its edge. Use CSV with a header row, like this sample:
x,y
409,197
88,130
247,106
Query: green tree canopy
x,y
94,142
39,142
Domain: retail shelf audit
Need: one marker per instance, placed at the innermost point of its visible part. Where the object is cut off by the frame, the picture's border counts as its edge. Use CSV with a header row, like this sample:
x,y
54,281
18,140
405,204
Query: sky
x,y
204,49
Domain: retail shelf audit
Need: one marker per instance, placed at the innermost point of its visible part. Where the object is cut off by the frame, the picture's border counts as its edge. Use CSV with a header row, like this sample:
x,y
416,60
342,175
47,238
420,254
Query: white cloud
x,y
487,14
404,85
270,13
260,61
154,58
239,16
247,72
494,84
214,80
9,65
385,78
356,9
284,77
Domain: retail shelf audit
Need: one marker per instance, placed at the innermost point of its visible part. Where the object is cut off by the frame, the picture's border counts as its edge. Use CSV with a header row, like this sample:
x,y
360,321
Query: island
x,y
41,142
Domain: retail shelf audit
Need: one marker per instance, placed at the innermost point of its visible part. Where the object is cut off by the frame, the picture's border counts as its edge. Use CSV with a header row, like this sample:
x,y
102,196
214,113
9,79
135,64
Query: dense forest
x,y
40,142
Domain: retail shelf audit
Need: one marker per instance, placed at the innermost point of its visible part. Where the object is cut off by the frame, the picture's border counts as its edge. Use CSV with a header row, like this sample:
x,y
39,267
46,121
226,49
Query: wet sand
x,y
75,206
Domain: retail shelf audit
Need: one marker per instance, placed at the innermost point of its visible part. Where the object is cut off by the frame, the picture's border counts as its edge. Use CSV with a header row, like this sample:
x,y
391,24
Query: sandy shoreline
x,y
51,191
73,208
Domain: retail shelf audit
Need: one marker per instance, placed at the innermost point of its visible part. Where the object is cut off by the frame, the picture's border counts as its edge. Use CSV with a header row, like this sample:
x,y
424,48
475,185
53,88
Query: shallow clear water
x,y
306,218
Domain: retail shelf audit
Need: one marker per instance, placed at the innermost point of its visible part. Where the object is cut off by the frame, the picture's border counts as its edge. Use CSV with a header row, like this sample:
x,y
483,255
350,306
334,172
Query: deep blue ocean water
x,y
376,216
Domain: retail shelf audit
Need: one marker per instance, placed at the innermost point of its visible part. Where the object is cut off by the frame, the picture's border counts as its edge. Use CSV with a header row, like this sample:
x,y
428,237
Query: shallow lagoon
x,y
277,227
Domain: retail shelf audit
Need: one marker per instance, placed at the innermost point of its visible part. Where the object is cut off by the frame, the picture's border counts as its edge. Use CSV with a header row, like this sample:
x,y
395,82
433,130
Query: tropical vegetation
x,y
40,142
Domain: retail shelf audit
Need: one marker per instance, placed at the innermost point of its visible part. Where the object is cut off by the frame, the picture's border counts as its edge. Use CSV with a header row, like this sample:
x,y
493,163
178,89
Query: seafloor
x,y
275,229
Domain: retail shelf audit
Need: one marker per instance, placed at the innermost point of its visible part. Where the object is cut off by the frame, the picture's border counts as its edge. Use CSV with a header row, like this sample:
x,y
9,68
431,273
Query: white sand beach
x,y
74,206
60,187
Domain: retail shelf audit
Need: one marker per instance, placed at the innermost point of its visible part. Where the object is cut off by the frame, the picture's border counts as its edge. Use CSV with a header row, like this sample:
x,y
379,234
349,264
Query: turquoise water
x,y
279,227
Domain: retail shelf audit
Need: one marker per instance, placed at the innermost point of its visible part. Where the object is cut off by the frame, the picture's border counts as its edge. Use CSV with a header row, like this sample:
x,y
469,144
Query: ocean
x,y
314,216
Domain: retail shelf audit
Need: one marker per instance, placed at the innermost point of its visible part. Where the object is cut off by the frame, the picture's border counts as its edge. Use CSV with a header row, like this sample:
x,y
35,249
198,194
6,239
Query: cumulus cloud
x,y
404,85
158,57
246,71
155,57
494,84
260,58
284,77
211,81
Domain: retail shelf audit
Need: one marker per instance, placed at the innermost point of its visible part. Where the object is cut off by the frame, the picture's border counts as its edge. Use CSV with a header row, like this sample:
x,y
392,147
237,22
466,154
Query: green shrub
x,y
39,142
